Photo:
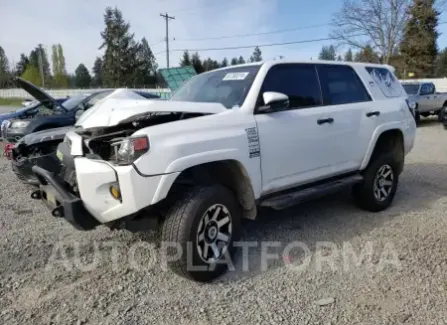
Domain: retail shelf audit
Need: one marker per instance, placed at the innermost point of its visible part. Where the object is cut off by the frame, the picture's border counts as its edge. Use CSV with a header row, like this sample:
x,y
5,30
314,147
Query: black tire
x,y
417,117
182,223
364,193
441,114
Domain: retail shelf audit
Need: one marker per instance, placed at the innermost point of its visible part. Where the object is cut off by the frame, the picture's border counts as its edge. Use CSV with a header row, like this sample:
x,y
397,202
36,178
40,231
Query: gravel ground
x,y
48,274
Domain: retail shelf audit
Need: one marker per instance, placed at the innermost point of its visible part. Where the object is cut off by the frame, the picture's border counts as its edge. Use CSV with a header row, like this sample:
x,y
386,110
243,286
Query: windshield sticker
x,y
254,149
235,76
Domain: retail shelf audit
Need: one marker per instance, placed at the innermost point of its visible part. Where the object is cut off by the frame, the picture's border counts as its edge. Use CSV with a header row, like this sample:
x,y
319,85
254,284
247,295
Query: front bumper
x,y
54,192
93,180
13,134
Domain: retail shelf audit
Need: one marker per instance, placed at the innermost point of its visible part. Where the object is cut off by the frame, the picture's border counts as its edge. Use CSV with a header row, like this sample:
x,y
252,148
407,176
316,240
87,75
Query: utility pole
x,y
41,66
167,19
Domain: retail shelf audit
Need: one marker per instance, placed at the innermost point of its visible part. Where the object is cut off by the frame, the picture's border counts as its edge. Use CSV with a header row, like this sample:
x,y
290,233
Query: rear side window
x,y
298,81
341,85
386,81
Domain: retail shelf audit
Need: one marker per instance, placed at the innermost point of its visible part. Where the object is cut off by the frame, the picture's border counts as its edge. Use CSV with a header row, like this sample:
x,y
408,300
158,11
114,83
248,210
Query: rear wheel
x,y
204,224
417,117
379,186
441,114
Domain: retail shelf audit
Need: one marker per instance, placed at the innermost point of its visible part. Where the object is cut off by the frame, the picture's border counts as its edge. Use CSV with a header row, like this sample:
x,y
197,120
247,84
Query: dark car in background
x,y
39,148
26,111
50,114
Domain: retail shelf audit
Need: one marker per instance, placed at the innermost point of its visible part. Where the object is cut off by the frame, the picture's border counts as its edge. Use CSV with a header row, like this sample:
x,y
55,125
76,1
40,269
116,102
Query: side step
x,y
283,201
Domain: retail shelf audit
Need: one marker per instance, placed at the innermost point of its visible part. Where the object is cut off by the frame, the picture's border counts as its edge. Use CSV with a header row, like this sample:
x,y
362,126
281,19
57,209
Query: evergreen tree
x,y
418,46
348,56
82,77
224,63
147,65
367,54
97,73
22,64
339,58
441,64
185,60
120,51
327,53
197,63
39,53
256,56
4,69
241,60
234,61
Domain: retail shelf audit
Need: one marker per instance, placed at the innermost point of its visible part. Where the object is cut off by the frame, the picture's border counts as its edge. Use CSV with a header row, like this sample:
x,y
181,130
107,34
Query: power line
x,y
157,43
268,44
263,45
254,34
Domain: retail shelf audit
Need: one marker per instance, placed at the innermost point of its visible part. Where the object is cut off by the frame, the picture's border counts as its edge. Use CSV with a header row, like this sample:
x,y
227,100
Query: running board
x,y
283,201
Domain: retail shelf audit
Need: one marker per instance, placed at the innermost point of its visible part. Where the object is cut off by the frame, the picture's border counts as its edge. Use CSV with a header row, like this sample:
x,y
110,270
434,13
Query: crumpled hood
x,y
46,135
123,104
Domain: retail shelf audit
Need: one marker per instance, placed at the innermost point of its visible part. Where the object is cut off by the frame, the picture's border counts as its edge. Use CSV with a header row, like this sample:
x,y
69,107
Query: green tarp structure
x,y
175,77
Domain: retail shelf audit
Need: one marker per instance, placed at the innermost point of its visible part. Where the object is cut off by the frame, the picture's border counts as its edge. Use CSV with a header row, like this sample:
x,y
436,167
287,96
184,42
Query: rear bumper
x,y
54,193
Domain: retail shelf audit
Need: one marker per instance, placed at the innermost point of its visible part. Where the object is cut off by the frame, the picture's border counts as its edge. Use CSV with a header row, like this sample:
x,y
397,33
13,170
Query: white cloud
x,y
77,25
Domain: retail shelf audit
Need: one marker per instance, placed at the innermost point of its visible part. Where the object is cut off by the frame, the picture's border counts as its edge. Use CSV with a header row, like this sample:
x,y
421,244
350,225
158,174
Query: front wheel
x,y
441,114
203,226
379,186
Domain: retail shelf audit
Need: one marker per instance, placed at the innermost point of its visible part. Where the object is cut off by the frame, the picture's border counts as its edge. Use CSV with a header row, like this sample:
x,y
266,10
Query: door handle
x,y
375,113
325,120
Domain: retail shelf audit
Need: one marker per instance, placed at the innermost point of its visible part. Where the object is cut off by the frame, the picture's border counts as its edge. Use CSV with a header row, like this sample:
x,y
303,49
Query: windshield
x,y
228,87
411,89
73,102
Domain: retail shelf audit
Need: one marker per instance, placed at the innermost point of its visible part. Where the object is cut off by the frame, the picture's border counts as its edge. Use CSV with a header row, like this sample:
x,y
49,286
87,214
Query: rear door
x,y
349,104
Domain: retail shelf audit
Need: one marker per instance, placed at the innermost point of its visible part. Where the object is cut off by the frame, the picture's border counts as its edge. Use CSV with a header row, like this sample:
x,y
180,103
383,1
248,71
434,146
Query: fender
x,y
186,162
376,134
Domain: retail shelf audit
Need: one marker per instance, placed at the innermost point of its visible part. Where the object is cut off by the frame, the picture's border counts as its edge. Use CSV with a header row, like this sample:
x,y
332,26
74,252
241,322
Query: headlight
x,y
19,124
130,149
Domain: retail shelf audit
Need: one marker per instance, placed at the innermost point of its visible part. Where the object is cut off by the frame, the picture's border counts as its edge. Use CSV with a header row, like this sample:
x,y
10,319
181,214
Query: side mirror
x,y
274,102
78,114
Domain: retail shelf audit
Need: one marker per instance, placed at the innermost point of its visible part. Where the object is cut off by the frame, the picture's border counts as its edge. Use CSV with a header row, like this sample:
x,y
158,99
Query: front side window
x,y
228,87
298,81
341,85
386,81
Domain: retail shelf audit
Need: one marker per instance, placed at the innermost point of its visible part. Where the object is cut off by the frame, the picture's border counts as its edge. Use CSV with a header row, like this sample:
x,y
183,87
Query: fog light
x,y
115,191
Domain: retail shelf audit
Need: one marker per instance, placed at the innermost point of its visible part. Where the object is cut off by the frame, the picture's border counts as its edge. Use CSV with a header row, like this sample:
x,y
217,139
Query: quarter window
x,y
298,81
341,85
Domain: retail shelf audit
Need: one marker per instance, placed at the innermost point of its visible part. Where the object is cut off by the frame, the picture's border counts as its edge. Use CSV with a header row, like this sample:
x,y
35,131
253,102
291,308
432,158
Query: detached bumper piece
x,y
23,167
62,203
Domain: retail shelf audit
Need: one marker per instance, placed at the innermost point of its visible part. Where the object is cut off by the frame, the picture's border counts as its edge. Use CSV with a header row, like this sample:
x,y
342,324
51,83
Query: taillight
x,y
130,149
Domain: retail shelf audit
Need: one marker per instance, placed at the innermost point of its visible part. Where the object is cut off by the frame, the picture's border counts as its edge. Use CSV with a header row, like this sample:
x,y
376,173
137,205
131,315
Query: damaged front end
x,y
24,157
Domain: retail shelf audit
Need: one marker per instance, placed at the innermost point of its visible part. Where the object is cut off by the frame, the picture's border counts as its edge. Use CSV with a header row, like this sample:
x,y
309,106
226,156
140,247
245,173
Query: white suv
x,y
265,134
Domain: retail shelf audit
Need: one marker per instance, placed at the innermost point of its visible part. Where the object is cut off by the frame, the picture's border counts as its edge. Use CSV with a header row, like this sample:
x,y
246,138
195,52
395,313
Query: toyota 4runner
x,y
269,134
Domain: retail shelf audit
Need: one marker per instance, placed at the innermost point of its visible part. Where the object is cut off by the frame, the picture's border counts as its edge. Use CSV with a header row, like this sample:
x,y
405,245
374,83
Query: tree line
x,y
402,33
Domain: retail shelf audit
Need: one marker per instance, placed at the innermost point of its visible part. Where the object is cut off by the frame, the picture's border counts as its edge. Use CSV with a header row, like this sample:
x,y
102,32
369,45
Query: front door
x,y
296,144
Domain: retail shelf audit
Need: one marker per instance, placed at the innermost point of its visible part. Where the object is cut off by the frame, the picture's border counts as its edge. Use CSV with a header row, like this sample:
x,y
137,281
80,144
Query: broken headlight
x,y
130,149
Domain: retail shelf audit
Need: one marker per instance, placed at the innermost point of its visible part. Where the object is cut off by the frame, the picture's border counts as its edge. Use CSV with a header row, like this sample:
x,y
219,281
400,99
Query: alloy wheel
x,y
383,183
214,233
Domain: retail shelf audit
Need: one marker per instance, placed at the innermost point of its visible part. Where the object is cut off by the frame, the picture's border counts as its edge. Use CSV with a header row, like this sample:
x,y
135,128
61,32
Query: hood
x,y
46,135
124,104
37,93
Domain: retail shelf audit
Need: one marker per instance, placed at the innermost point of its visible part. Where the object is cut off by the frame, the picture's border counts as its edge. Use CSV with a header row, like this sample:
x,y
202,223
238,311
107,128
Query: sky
x,y
76,25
